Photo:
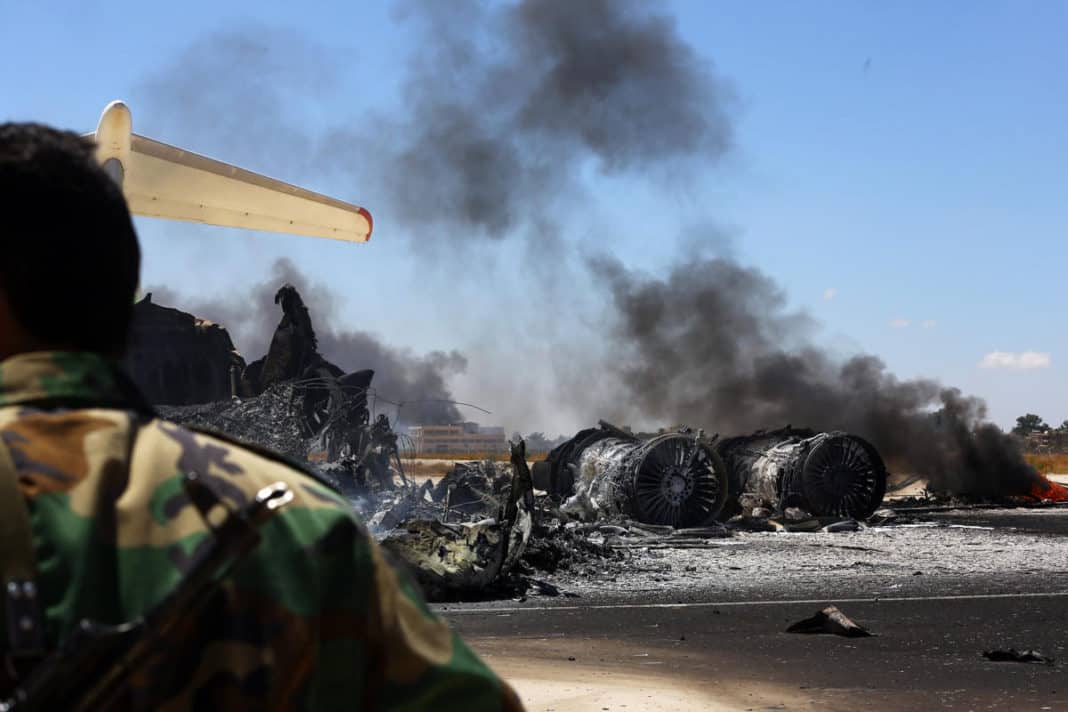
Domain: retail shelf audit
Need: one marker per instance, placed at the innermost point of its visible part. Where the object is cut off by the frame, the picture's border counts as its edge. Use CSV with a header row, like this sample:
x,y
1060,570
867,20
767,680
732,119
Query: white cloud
x,y
929,324
899,323
830,293
1021,361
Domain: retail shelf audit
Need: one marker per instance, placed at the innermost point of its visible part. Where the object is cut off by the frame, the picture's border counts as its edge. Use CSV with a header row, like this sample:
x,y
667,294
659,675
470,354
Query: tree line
x,y
1031,424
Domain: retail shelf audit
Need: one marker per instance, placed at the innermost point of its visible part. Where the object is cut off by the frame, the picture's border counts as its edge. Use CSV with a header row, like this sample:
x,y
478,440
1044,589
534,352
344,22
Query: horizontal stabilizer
x,y
164,181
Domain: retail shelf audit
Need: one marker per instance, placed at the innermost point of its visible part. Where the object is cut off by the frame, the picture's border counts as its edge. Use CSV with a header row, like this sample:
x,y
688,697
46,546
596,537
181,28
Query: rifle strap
x,y
23,618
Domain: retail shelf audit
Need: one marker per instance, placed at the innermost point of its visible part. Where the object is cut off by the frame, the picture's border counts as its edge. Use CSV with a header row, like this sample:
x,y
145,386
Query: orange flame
x,y
1046,490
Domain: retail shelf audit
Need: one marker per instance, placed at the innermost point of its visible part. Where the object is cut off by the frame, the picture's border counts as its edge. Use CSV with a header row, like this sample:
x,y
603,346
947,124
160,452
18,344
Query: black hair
x,y
69,261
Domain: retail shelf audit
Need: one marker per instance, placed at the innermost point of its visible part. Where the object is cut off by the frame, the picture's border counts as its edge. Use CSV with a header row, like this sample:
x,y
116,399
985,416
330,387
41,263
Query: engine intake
x,y
827,474
674,479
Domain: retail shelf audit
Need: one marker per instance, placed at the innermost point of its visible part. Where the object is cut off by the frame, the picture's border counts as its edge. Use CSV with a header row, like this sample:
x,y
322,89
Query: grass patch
x,y
463,456
475,456
425,468
436,464
1047,463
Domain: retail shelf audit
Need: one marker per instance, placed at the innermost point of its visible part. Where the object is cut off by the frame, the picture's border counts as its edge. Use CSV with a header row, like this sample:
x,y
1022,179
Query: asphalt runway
x,y
926,653
718,650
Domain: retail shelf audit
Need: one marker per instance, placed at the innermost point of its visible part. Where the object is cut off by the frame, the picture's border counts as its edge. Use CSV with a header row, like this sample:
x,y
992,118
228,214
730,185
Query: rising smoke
x,y
415,382
714,344
505,104
238,94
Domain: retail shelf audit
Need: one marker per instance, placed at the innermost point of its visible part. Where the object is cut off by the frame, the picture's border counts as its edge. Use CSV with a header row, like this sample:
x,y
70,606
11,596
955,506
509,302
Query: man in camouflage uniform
x,y
313,618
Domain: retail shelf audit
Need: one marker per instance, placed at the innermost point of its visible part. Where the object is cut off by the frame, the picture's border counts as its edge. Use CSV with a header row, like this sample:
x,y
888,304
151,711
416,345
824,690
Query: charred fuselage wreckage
x,y
674,478
831,474
493,508
297,402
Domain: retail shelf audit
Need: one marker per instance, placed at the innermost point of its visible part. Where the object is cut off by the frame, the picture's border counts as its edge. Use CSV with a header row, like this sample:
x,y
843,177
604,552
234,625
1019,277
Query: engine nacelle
x,y
826,474
674,479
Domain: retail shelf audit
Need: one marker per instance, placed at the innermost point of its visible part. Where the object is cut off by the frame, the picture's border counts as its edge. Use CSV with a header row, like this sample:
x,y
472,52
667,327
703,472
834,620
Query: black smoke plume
x,y
504,105
416,382
714,344
238,94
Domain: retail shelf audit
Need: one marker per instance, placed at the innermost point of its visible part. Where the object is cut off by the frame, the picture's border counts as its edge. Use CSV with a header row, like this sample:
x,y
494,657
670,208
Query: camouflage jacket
x,y
313,618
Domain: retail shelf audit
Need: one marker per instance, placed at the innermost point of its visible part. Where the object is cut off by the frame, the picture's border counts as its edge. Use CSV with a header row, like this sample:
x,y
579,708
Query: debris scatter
x,y
1012,655
831,621
607,505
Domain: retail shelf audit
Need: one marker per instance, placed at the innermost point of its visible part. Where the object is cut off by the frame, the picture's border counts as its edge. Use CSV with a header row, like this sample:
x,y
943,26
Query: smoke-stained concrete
x,y
713,343
419,382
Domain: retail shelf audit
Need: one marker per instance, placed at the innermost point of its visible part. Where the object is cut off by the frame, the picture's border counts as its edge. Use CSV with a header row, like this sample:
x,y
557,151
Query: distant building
x,y
459,438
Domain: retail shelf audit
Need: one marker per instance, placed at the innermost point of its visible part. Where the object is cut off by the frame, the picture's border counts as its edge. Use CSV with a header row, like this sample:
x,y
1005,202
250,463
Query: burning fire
x,y
1047,490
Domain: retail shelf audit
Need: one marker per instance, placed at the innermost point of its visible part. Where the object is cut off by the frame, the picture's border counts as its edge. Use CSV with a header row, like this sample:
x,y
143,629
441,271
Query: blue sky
x,y
894,162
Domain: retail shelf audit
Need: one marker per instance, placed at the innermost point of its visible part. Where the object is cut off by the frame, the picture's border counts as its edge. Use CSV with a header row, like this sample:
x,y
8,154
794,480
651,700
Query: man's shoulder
x,y
237,468
263,455
76,451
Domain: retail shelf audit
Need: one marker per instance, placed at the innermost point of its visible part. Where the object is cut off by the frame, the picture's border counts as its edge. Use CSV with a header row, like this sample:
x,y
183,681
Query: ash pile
x,y
266,420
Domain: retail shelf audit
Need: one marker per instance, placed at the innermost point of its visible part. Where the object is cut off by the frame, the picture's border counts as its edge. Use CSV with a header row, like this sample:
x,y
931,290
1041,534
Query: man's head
x,y
70,260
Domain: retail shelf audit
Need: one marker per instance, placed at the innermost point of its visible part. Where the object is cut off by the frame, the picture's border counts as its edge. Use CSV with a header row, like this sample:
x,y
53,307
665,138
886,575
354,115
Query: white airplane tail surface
x,y
163,181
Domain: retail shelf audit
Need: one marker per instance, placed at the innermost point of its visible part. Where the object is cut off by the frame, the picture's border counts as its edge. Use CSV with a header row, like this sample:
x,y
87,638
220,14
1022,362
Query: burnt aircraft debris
x,y
832,474
674,478
1012,655
177,359
450,559
830,621
462,535
266,420
294,350
292,400
471,487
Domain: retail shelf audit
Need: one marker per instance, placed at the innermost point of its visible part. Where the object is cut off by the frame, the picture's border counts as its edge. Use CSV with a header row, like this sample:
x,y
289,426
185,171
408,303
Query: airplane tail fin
x,y
164,181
